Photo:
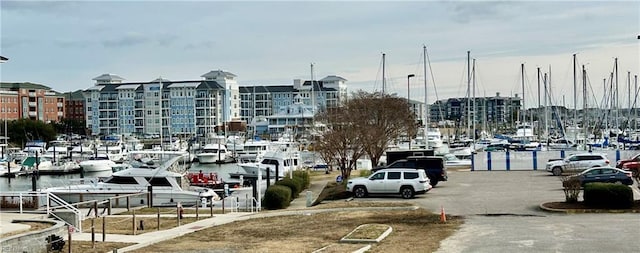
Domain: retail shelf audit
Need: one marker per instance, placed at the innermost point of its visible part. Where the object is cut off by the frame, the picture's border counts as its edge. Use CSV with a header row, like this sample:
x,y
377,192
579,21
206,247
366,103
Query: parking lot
x,y
502,215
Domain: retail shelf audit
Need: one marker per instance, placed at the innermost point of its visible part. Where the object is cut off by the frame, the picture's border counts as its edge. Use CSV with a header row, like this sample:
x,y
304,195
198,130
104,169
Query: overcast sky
x,y
65,44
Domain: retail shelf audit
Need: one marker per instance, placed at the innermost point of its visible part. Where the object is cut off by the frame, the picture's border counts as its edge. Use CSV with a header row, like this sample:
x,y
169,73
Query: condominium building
x,y
162,106
30,101
262,101
74,105
492,110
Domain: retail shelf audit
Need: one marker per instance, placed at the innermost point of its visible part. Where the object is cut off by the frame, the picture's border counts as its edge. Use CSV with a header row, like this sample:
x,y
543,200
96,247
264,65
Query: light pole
x,y
409,98
409,90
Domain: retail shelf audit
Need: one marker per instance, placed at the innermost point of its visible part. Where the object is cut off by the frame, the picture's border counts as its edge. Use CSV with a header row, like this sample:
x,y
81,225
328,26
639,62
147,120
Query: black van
x,y
432,165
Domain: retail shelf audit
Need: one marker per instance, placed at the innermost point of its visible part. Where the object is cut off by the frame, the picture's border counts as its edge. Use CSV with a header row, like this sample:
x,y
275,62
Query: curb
x,y
575,211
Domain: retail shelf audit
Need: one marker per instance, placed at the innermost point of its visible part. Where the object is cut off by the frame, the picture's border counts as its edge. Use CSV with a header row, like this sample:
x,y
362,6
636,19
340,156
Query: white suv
x,y
577,162
407,182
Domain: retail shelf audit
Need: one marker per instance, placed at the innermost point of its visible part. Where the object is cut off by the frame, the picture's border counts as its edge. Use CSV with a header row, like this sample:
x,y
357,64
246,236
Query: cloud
x,y
37,6
128,40
465,12
207,44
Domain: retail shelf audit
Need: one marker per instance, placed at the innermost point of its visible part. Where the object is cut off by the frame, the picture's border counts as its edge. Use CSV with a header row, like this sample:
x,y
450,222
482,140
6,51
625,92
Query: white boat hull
x,y
88,166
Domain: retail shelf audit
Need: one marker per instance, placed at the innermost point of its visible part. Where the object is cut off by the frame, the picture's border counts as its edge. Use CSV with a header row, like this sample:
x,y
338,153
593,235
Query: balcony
x,y
32,94
33,114
60,104
33,104
60,114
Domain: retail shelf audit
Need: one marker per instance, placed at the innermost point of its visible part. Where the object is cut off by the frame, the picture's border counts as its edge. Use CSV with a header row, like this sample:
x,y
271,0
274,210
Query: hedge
x,y
277,197
608,195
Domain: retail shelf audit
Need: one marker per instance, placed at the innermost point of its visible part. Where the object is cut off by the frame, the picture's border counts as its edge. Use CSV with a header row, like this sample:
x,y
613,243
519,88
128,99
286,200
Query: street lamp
x,y
408,89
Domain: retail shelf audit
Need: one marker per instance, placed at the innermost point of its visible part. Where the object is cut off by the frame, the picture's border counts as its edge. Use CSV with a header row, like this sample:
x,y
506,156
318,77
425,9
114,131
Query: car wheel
x,y
557,171
407,192
360,192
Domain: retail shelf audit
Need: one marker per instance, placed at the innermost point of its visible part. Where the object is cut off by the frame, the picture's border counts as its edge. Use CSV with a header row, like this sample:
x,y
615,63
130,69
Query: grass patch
x,y
34,226
86,246
124,225
360,203
305,233
368,231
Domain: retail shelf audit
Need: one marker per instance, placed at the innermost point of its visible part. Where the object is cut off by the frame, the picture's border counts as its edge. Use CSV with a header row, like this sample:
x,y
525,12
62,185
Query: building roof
x,y
209,85
333,78
108,77
75,95
127,87
282,88
216,73
26,85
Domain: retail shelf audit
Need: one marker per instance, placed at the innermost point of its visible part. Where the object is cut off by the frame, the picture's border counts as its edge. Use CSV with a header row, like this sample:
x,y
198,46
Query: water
x,y
23,183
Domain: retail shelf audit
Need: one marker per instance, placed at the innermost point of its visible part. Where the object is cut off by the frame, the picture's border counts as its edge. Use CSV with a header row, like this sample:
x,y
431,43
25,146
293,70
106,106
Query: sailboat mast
x,y
635,105
473,121
468,94
384,81
628,98
546,109
524,108
426,102
575,95
617,103
584,101
161,123
538,127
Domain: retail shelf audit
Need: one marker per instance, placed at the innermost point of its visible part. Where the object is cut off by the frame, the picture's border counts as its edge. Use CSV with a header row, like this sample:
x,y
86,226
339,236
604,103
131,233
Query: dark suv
x,y
432,165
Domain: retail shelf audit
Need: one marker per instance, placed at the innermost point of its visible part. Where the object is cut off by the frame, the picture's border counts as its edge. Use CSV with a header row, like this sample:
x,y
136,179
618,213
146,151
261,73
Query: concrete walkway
x,y
297,205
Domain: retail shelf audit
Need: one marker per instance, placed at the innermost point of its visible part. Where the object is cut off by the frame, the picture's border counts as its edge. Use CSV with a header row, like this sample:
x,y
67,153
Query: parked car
x,y
406,182
632,164
577,162
433,166
603,175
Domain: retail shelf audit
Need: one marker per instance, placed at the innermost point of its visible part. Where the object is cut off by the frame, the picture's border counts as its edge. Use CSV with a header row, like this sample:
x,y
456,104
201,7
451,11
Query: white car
x,y
406,182
577,163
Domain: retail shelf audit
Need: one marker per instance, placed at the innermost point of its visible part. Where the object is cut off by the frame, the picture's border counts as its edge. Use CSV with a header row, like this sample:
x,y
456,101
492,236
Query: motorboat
x,y
285,162
434,139
99,162
167,181
214,153
253,151
57,150
453,162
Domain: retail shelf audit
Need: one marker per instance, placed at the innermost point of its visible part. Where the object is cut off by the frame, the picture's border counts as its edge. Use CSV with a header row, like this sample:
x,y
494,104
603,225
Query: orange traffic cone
x,y
443,216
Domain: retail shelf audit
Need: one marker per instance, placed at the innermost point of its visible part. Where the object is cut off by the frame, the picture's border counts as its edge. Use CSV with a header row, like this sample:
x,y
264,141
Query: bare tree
x,y
570,183
365,124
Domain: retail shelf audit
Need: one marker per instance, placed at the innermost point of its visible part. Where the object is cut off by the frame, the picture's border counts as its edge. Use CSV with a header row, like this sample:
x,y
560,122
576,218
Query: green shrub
x,y
277,197
294,184
304,175
607,195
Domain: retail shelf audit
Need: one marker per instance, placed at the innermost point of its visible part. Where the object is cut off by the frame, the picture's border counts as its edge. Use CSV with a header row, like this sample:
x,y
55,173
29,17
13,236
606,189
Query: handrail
x,y
49,199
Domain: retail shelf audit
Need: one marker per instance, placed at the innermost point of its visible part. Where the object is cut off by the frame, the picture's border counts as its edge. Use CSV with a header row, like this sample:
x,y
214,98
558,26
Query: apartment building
x,y
494,110
74,105
260,101
30,101
162,106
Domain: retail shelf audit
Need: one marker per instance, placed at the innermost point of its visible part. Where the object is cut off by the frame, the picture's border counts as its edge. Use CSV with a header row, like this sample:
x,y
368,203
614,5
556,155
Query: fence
x,y
534,160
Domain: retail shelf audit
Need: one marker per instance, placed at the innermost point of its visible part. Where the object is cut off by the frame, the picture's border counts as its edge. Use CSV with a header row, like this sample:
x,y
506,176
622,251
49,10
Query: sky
x,y
64,44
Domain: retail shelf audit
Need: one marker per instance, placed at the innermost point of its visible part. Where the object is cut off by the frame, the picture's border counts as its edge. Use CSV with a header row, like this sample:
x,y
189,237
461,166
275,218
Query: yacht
x,y
58,149
434,139
453,162
99,162
214,153
166,179
253,151
284,161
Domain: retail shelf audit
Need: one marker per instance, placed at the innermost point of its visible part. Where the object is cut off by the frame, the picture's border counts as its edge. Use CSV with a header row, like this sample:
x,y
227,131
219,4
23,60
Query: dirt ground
x,y
305,233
